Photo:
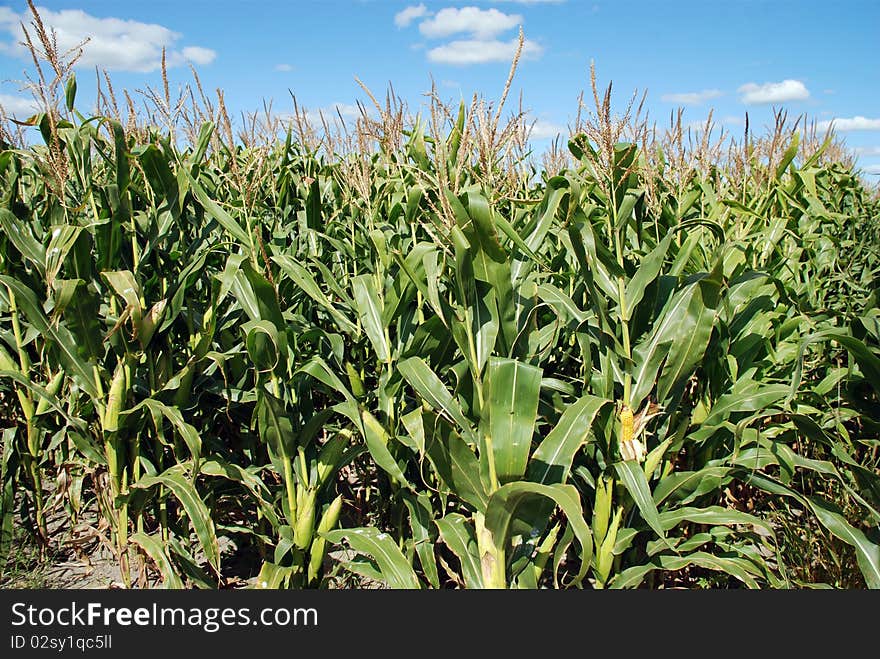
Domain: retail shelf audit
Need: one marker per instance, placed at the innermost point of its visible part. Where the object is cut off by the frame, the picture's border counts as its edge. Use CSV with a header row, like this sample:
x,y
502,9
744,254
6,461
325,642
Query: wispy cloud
x,y
773,92
284,68
699,125
850,123
114,44
874,170
543,130
867,150
476,51
330,114
19,107
478,30
692,98
479,23
199,55
406,16
725,123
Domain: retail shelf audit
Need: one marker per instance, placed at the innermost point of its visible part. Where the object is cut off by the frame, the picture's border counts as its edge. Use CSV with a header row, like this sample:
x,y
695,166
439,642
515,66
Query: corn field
x,y
403,354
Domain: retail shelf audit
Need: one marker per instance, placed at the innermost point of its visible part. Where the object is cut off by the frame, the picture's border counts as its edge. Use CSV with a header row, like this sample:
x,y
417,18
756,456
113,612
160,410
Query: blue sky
x,y
735,56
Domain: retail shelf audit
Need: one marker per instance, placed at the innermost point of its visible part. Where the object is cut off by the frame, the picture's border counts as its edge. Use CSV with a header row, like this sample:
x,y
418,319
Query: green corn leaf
x,y
646,275
502,508
196,510
650,352
215,211
512,390
57,333
551,461
788,156
19,234
369,309
457,466
747,401
421,521
712,515
161,178
432,390
377,438
395,569
249,478
274,425
740,568
688,346
266,347
154,548
187,432
304,279
41,394
632,476
868,361
867,552
458,534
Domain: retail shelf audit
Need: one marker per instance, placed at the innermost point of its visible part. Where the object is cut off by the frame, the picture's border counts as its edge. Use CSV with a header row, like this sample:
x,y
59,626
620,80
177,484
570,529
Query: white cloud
x,y
725,123
868,150
18,106
475,51
406,16
479,23
199,55
330,113
773,92
283,67
874,170
698,126
691,98
114,44
851,123
543,130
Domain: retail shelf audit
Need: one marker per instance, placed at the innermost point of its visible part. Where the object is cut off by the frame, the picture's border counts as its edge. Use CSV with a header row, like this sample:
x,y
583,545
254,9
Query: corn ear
x,y
631,448
43,405
27,405
354,379
605,553
544,549
602,508
149,322
654,458
328,460
305,521
328,522
115,399
626,424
